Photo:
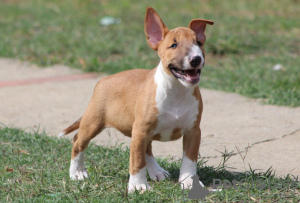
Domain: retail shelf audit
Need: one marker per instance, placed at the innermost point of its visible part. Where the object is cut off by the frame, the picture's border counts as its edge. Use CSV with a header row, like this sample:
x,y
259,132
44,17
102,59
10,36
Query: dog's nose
x,y
195,61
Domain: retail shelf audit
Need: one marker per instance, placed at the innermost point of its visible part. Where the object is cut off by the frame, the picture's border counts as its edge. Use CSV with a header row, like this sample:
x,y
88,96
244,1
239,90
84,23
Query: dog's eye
x,y
173,45
199,43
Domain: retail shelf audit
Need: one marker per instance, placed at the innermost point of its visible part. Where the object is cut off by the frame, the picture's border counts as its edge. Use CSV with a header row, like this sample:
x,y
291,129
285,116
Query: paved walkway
x,y
53,98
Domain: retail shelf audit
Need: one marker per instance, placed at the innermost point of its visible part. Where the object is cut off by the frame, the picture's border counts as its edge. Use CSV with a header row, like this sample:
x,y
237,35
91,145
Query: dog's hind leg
x,y
154,170
91,124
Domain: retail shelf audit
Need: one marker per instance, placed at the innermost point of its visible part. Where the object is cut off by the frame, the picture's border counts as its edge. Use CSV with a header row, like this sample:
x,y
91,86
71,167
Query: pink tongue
x,y
191,74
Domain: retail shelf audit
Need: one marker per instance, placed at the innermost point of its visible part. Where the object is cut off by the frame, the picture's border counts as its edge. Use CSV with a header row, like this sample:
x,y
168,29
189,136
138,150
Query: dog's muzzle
x,y
189,76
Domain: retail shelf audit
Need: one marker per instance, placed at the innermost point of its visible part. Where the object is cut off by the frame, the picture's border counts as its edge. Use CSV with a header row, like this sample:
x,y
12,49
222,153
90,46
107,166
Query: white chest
x,y
177,107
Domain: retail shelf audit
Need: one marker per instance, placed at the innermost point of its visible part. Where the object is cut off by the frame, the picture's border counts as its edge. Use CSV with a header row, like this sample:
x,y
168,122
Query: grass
x,y
247,40
34,168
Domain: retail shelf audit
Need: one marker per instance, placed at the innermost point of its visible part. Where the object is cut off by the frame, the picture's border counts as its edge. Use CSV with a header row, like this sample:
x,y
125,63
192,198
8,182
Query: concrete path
x,y
53,98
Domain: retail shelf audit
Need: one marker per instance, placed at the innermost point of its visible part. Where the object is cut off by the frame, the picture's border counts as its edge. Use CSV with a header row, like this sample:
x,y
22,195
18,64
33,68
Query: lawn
x,y
34,168
247,40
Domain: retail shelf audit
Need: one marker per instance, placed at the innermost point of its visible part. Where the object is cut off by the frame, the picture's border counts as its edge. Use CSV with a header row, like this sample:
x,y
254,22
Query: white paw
x,y
138,181
155,172
79,175
187,170
77,171
187,182
140,187
158,174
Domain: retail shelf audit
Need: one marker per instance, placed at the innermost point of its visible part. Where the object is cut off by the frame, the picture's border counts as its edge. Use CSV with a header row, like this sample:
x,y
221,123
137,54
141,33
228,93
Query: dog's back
x,y
120,92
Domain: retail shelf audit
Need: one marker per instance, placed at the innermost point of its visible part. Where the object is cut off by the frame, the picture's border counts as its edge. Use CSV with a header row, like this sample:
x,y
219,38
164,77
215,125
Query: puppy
x,y
161,104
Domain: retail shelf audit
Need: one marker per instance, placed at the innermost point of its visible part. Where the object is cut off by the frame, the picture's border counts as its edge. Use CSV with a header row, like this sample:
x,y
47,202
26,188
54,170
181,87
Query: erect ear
x,y
198,26
155,29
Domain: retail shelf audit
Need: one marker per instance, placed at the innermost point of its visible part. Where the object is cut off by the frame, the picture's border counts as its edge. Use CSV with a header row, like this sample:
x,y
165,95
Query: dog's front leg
x,y
137,168
191,143
155,172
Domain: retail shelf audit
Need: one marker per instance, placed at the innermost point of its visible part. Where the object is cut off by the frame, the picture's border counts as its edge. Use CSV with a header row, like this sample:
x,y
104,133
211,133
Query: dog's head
x,y
181,49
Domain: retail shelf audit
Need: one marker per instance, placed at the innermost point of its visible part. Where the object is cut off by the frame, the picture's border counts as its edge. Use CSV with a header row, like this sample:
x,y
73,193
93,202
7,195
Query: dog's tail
x,y
71,128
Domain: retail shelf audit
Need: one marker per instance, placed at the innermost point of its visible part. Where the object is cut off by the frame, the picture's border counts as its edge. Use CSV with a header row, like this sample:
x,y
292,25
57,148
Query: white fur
x,y
154,170
195,51
187,170
77,171
176,104
138,181
189,85
61,134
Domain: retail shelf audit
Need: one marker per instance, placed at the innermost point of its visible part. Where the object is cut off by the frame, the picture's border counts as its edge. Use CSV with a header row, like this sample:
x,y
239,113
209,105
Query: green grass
x,y
247,40
34,168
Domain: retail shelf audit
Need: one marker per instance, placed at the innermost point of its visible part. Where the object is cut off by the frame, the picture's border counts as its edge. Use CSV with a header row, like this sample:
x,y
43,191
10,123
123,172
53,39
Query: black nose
x,y
195,61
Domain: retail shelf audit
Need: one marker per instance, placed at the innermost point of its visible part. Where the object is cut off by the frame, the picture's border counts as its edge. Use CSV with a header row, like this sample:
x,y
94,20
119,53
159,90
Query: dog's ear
x,y
155,29
198,26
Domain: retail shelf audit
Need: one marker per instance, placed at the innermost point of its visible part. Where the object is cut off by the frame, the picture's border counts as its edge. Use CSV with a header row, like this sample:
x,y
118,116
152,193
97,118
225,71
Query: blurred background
x,y
252,49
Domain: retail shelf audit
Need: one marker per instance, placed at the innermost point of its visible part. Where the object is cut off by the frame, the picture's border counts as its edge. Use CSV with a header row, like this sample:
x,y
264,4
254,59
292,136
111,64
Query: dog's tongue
x,y
191,74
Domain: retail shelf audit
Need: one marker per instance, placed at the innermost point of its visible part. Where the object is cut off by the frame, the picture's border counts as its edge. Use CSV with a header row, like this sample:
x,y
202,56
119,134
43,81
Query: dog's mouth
x,y
188,76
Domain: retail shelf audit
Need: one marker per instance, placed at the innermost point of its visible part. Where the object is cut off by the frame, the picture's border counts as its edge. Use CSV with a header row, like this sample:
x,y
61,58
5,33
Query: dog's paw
x,y
138,181
78,174
158,174
187,182
77,170
140,187
155,172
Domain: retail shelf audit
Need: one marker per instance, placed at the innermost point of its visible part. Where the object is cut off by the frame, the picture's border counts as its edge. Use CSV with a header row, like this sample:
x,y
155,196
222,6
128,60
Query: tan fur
x,y
126,101
176,134
156,137
149,149
72,127
191,141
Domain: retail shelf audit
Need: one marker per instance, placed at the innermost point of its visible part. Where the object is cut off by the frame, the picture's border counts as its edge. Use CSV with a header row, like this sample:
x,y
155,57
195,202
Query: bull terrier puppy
x,y
161,104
